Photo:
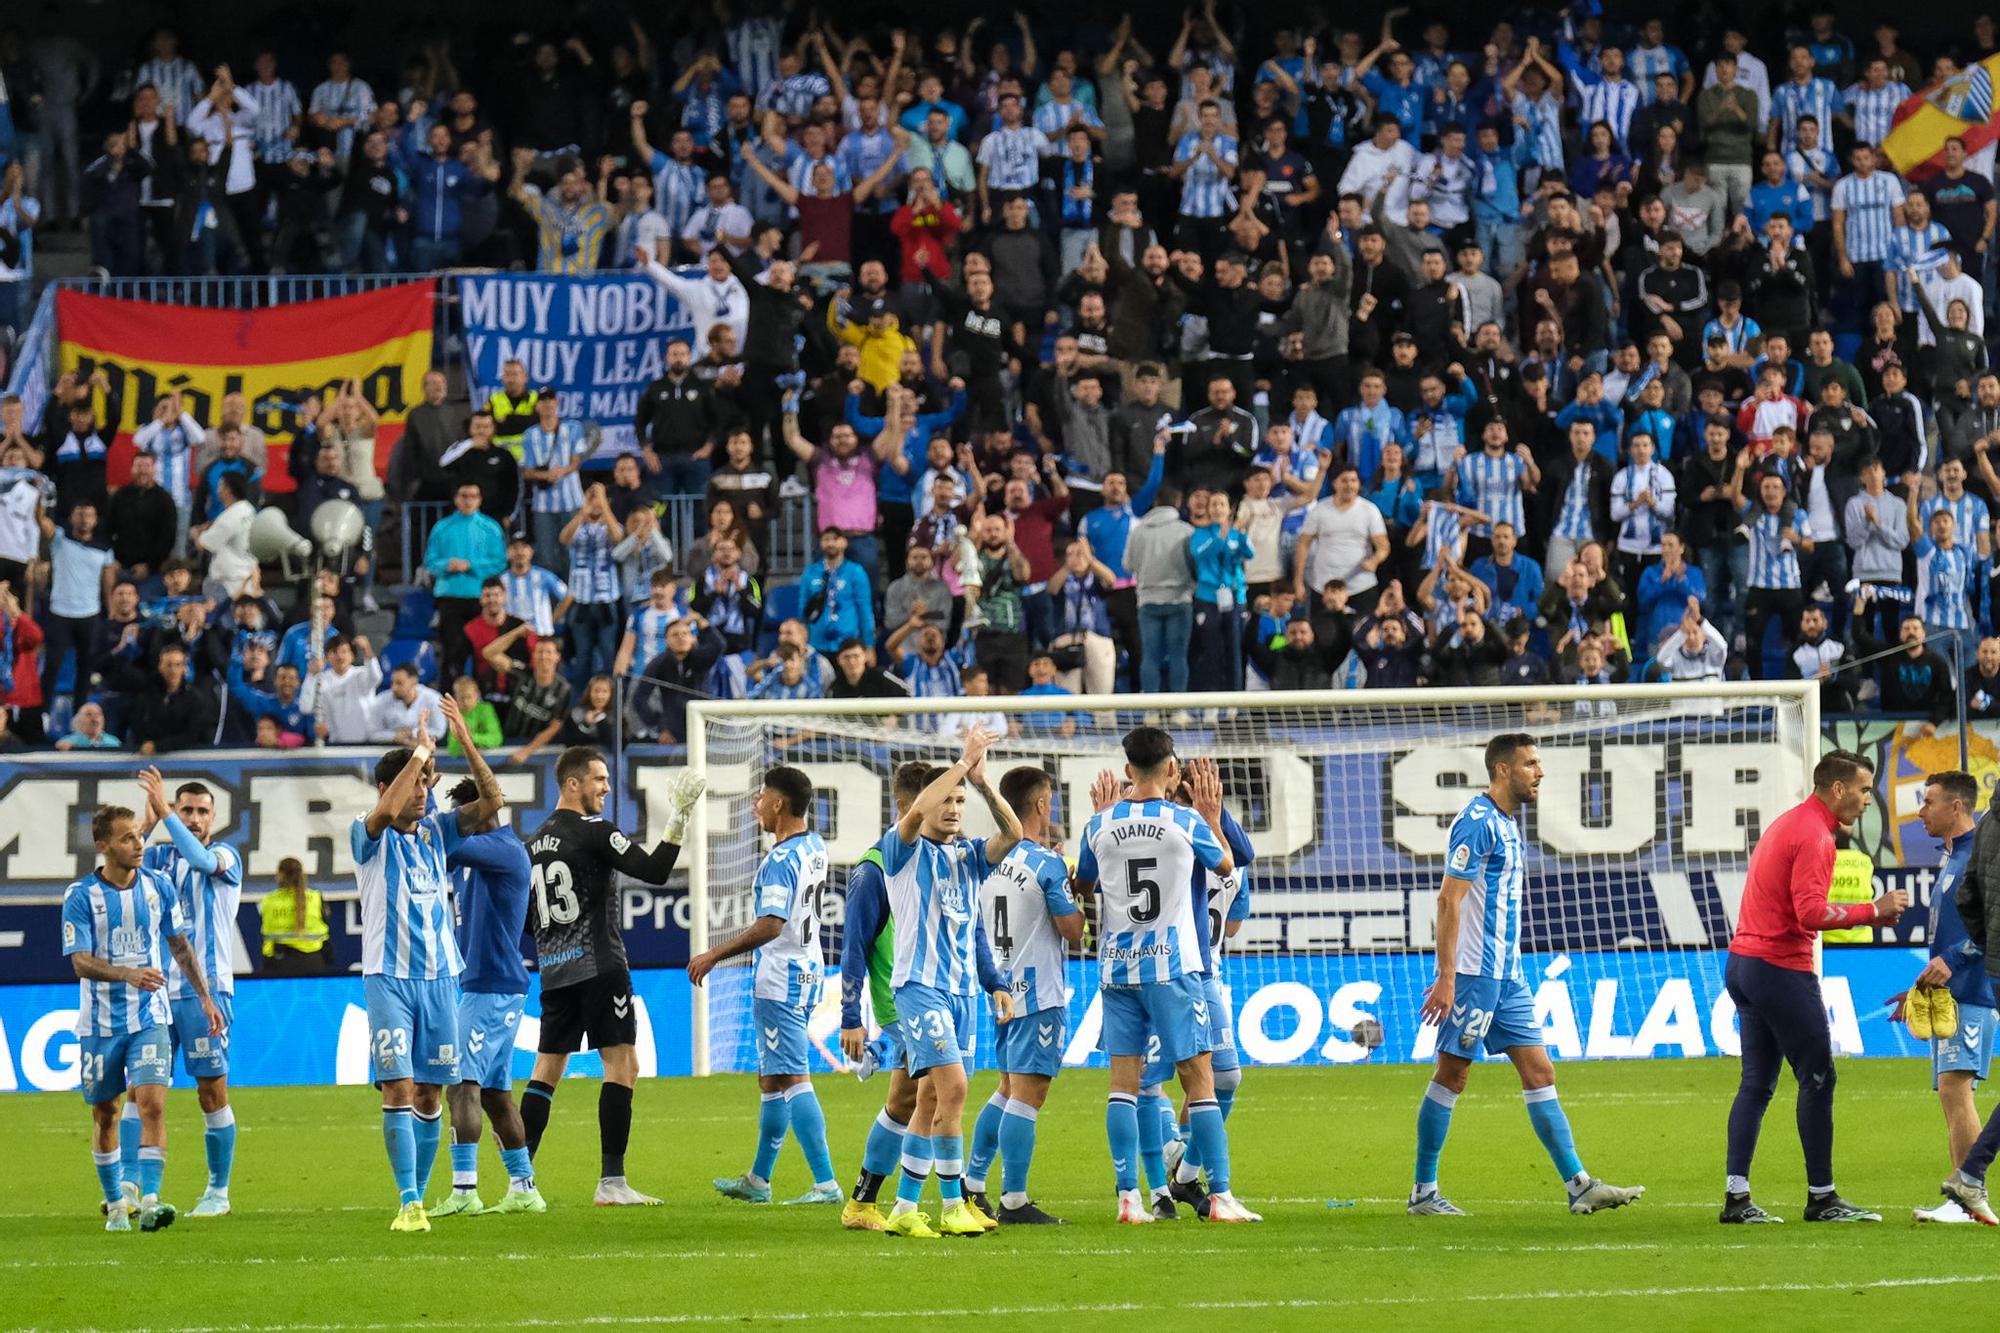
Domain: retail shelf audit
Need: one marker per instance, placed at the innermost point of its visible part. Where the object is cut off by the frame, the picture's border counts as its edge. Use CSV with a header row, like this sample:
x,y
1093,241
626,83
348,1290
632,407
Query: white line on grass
x,y
1426,1298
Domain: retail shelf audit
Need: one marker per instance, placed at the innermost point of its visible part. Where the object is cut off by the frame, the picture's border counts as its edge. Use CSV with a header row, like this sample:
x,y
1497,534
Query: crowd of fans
x,y
1197,354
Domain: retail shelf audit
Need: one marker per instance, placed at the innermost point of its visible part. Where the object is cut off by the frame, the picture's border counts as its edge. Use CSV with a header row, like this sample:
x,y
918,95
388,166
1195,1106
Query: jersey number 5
x,y
552,882
1147,891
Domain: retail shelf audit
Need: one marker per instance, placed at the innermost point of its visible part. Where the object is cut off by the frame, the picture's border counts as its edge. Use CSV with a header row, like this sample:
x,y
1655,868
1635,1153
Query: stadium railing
x,y
1316,775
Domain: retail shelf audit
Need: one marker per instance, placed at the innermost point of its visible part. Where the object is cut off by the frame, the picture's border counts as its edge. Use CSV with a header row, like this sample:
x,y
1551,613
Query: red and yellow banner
x,y
276,358
1959,107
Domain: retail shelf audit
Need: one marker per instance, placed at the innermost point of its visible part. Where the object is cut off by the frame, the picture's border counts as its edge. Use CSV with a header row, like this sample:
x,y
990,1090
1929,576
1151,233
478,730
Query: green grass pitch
x,y
309,1248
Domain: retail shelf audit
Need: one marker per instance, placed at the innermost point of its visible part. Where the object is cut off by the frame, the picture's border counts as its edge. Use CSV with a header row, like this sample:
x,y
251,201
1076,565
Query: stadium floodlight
x,y
1637,847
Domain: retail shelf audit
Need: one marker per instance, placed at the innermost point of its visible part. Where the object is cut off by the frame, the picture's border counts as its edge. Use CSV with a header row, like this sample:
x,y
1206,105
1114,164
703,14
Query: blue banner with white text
x,y
598,341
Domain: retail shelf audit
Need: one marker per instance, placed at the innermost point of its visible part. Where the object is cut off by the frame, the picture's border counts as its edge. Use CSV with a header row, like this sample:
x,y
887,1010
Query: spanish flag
x,y
1961,106
276,358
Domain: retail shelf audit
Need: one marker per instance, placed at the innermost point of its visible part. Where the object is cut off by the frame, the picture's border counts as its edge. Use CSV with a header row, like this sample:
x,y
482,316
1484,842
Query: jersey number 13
x,y
555,900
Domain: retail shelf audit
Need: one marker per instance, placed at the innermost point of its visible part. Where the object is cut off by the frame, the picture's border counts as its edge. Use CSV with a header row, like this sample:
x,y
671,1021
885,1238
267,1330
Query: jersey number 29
x,y
555,900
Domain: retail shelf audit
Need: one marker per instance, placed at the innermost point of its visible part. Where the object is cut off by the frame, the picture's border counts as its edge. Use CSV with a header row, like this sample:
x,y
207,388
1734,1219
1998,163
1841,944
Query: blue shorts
x,y
895,1053
782,1047
1221,1025
938,1029
1174,1011
125,1060
1971,1048
1033,1043
203,1056
486,1027
1489,1013
413,1028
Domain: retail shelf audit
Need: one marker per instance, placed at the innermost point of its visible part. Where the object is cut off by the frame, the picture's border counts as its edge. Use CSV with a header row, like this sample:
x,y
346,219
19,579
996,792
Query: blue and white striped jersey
x,y
1919,248
128,928
679,188
1544,128
1945,583
1205,191
1640,526
1800,163
790,882
1053,118
1815,97
534,596
1022,898
1444,532
406,920
350,98
1969,515
926,680
648,627
1612,103
1874,109
172,445
1013,157
1573,520
1869,203
1486,849
1142,857
278,105
1773,561
593,573
754,45
1736,337
1643,64
207,900
1493,487
178,82
539,449
934,899
793,97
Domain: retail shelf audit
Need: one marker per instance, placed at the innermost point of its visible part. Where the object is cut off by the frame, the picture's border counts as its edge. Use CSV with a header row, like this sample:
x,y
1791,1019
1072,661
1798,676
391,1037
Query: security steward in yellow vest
x,y
513,407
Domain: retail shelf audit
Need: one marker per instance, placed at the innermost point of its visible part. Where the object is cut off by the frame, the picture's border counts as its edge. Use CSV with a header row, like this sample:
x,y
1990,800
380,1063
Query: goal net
x,y
1652,798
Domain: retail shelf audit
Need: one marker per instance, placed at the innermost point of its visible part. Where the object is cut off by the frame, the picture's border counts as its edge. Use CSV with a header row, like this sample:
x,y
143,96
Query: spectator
x,y
790,679
726,597
1163,575
1343,538
1982,680
480,717
1819,656
570,221
920,595
464,550
338,693
488,635
408,713
87,730
592,536
1915,681
552,452
1642,505
1665,588
292,921
1003,572
836,595
81,573
281,703
1579,489
643,554
1083,645
645,635
175,712
1472,653
592,721
1391,654
479,461
417,469
231,567
539,704
1514,578
1219,442
1693,649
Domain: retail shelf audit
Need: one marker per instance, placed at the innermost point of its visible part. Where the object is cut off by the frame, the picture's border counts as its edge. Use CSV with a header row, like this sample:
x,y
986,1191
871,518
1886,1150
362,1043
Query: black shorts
x,y
600,1008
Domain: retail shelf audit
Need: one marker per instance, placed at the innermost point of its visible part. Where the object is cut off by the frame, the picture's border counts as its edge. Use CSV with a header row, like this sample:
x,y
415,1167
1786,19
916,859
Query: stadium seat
x,y
420,653
414,616
781,603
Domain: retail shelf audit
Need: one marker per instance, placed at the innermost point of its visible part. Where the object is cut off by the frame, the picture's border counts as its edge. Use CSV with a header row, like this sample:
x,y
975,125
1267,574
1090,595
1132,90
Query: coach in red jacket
x,y
1771,979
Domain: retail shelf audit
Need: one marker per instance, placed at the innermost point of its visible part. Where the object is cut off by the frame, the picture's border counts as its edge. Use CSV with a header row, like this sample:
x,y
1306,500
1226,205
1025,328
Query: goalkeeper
x,y
867,957
1961,1052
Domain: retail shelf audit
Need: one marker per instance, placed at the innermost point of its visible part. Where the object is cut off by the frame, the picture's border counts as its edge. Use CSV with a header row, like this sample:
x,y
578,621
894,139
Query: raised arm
x,y
491,798
397,794
1010,832
977,741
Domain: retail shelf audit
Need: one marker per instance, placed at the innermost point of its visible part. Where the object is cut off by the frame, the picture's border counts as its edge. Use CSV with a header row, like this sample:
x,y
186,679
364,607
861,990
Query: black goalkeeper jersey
x,y
573,905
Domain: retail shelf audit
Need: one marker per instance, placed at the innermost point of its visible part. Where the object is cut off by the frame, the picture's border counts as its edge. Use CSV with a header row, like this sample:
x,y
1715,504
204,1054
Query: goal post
x,y
1654,795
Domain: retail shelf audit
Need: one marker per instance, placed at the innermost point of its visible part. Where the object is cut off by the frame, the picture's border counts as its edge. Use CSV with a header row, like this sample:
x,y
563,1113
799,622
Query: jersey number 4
x,y
1146,891
555,900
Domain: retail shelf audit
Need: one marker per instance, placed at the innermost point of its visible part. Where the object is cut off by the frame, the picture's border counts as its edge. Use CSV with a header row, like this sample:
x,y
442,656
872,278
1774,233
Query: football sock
x,y
1736,1185
773,1116
128,1139
465,1165
985,1142
809,1128
425,1132
110,1175
1433,1123
536,1103
1205,1129
1545,1113
1984,1148
948,1157
401,1141
614,1127
1150,1127
520,1170
152,1165
1017,1149
879,1154
1226,1099
219,1141
1820,1191
1121,1127
916,1166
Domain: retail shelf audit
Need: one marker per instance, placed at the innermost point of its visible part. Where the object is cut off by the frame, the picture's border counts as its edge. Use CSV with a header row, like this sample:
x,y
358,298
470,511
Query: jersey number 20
x,y
555,900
